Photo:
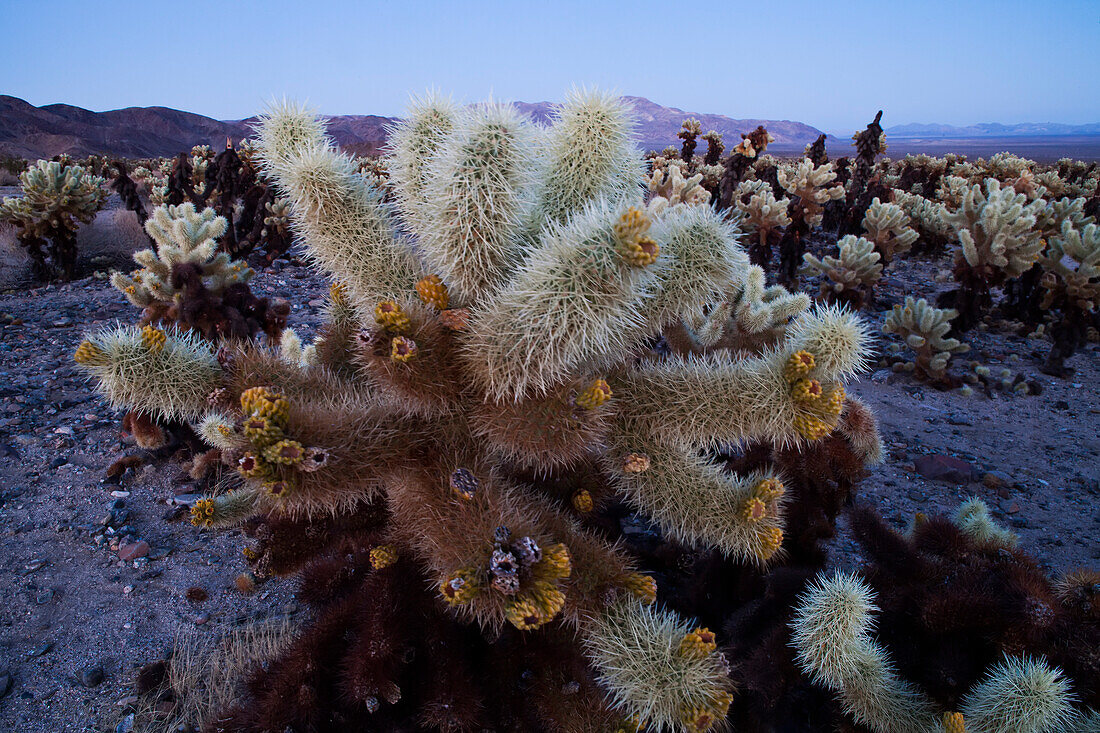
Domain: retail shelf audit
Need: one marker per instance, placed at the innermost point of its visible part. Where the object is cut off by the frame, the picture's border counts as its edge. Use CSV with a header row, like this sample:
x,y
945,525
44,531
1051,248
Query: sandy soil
x,y
71,604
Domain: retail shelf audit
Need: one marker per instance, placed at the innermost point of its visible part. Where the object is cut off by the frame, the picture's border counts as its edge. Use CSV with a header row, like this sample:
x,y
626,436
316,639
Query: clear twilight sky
x,y
830,65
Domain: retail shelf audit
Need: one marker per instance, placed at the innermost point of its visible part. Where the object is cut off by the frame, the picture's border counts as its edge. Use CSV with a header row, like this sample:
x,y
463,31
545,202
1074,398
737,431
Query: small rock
x,y
92,676
128,702
187,500
41,649
36,564
127,724
6,683
120,494
133,550
201,619
996,479
1010,507
939,467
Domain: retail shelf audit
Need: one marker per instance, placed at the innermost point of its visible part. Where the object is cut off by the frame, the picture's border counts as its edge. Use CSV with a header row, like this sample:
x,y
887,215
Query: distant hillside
x,y
138,132
990,129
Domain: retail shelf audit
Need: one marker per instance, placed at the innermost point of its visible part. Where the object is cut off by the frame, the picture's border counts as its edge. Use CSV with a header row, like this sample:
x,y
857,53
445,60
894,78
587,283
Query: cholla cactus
x,y
186,281
468,381
995,228
927,218
762,215
56,200
923,329
887,226
669,188
691,129
849,278
1071,284
810,184
1050,219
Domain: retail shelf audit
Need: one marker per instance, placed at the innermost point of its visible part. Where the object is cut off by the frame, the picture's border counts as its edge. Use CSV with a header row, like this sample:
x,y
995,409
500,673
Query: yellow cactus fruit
x,y
402,349
524,613
90,354
253,396
554,565
636,248
698,719
641,252
463,483
279,488
263,402
249,554
771,541
383,556
582,501
811,427
753,509
455,318
642,586
698,643
202,513
251,466
338,294
433,292
597,393
636,463
768,489
153,339
806,391
631,225
548,597
799,364
285,452
833,403
389,316
461,587
225,431
633,724
262,431
954,723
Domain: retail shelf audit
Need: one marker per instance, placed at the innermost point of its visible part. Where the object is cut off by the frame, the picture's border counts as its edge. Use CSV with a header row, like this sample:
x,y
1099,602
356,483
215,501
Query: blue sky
x,y
831,65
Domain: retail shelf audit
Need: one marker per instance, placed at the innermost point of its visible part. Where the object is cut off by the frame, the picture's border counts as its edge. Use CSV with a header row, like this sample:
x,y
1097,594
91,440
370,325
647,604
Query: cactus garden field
x,y
520,427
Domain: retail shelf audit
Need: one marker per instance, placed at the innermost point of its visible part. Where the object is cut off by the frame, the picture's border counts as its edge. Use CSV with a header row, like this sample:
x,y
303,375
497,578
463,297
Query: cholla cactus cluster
x,y
493,384
851,277
762,217
887,226
56,200
813,187
924,328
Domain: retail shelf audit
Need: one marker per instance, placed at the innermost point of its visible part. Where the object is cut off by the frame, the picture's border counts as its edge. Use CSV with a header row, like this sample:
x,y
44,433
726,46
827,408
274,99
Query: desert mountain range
x,y
136,132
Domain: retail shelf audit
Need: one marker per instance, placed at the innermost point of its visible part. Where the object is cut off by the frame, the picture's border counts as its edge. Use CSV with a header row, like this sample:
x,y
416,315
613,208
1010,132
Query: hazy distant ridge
x,y
990,129
137,132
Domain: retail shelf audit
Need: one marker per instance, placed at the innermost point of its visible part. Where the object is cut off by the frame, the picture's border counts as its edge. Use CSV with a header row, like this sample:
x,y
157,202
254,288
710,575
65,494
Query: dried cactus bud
x,y
768,489
463,483
284,452
461,587
771,541
202,513
806,391
501,535
582,501
954,723
455,318
642,587
313,459
402,349
799,364
524,613
249,554
753,510
433,292
633,724
527,551
503,562
833,404
636,463
506,584
153,339
811,427
383,556
89,354
389,315
597,393
698,643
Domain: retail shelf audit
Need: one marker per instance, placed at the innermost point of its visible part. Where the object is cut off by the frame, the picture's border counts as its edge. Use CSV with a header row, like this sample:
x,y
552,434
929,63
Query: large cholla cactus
x,y
887,225
762,216
494,378
1071,289
56,200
